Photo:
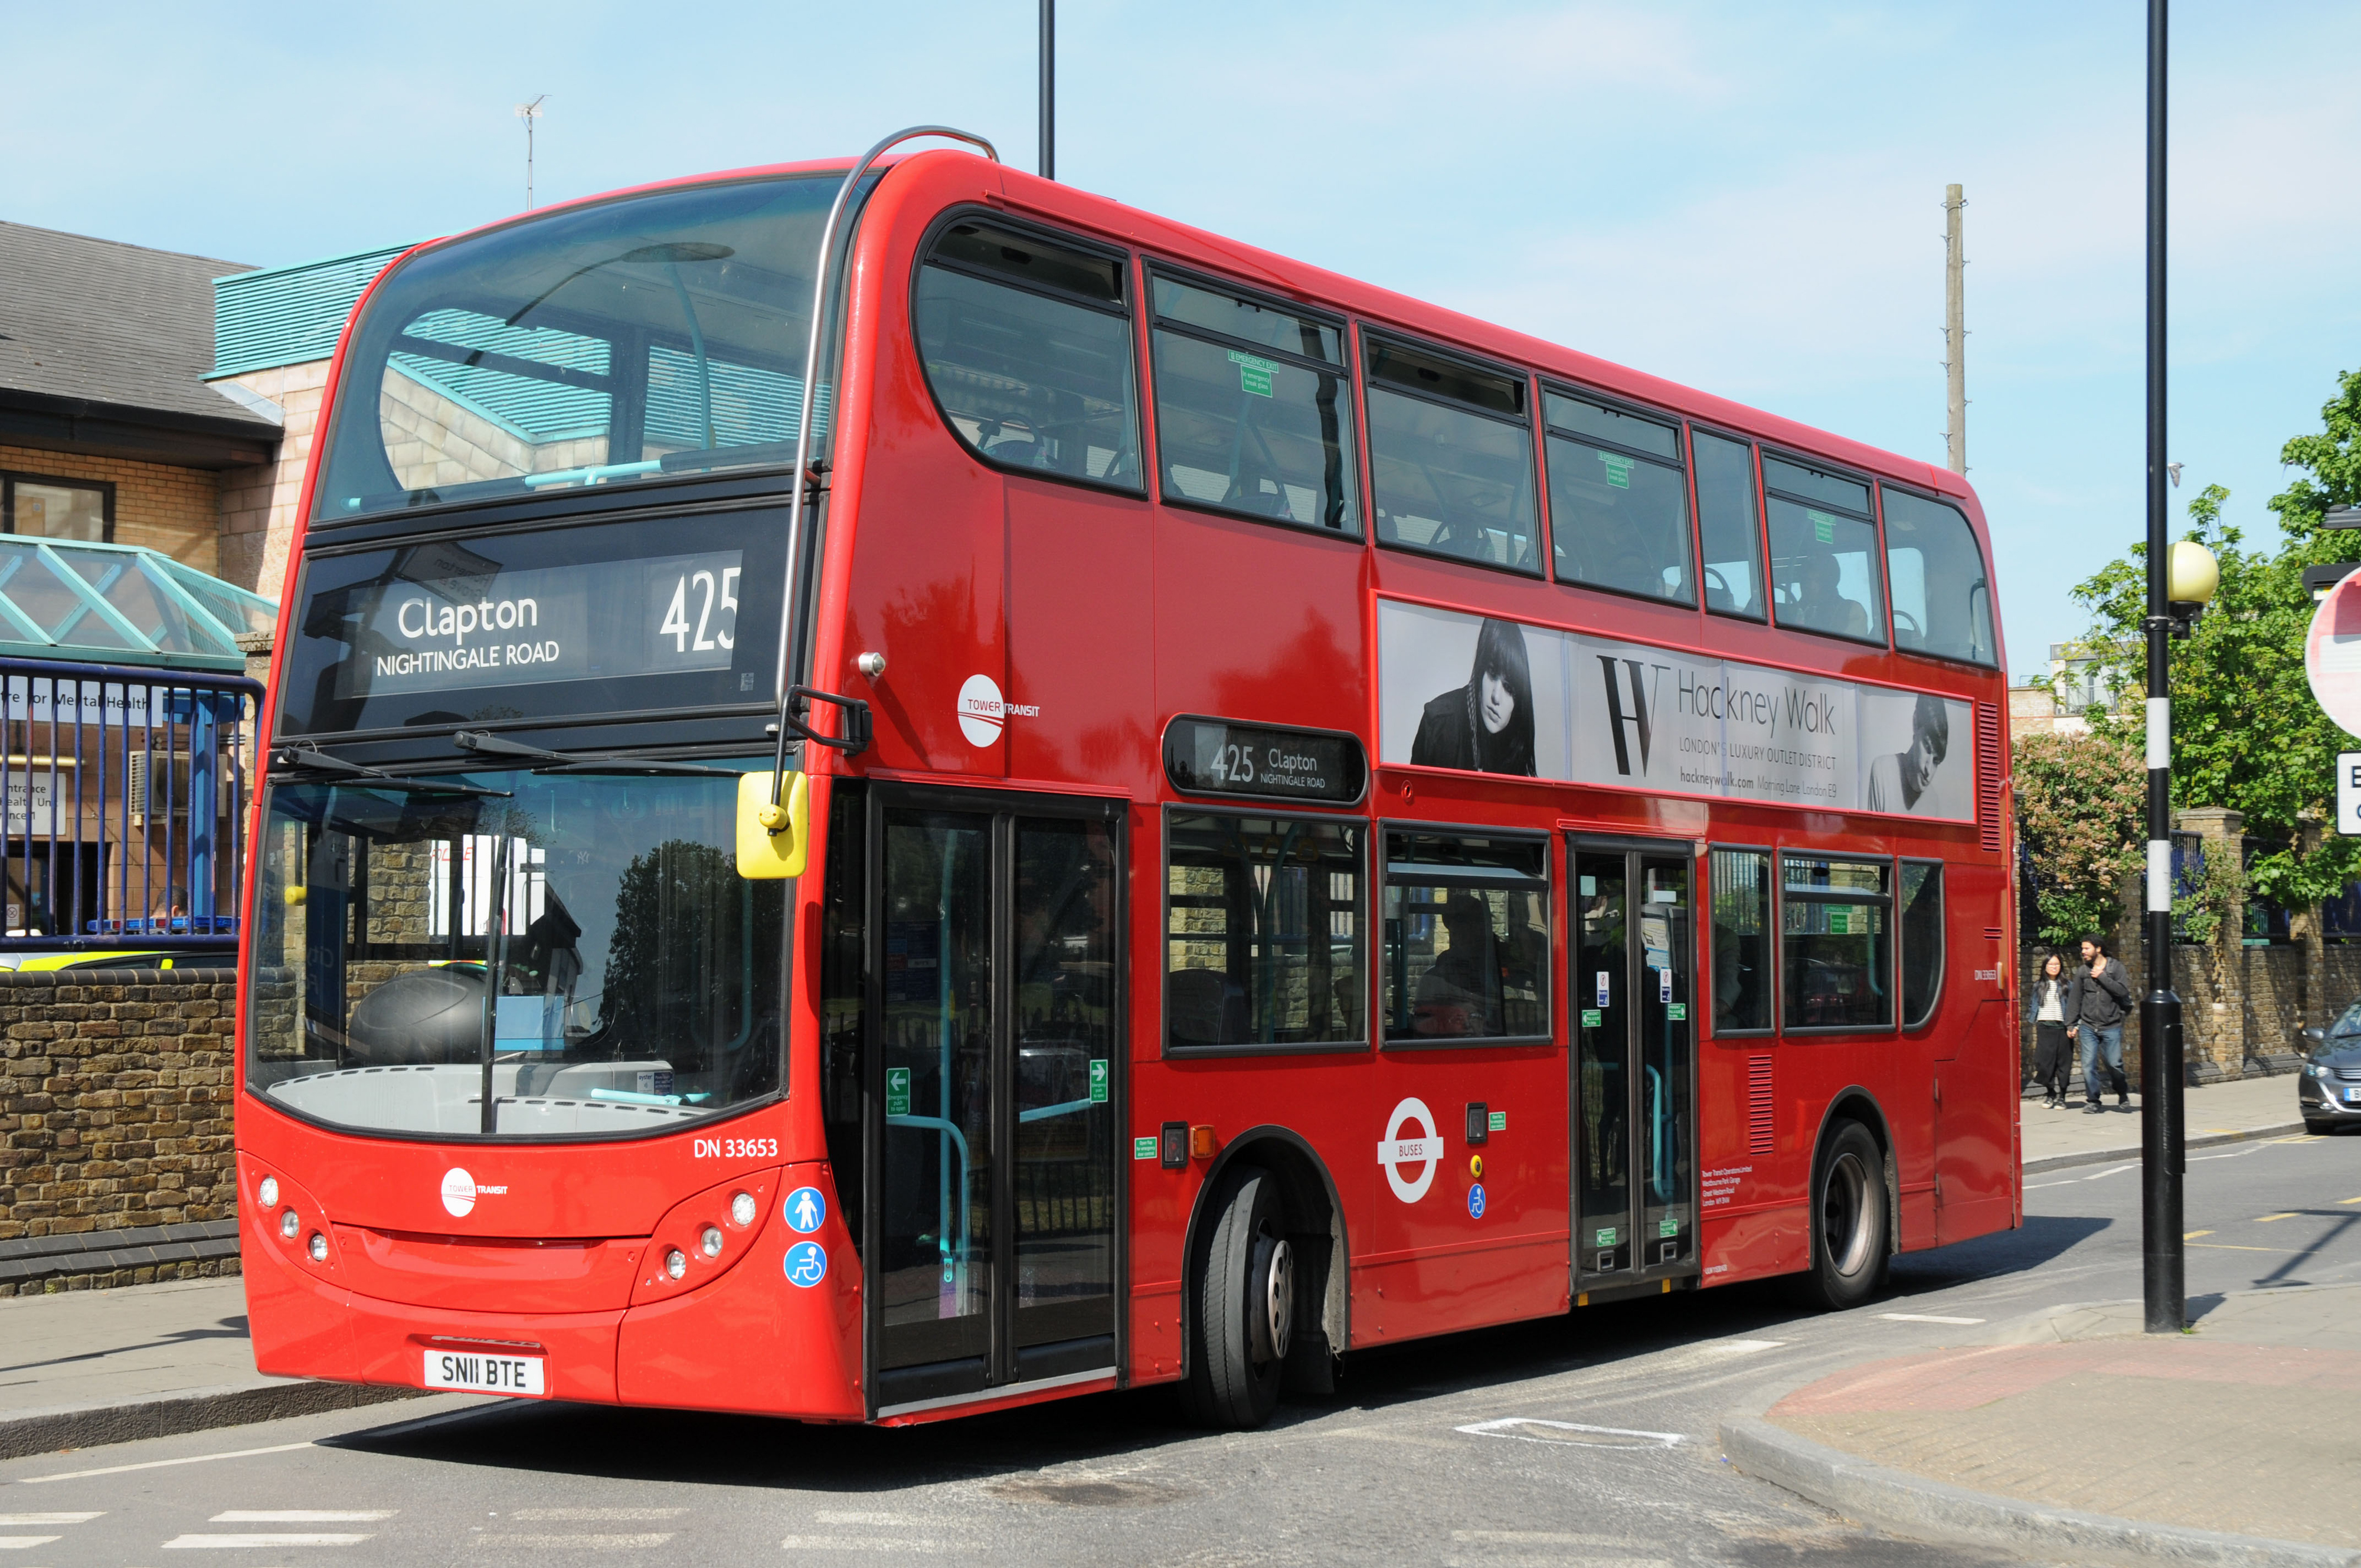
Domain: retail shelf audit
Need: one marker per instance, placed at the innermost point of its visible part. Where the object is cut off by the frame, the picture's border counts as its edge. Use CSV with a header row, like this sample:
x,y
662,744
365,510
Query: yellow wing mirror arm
x,y
773,824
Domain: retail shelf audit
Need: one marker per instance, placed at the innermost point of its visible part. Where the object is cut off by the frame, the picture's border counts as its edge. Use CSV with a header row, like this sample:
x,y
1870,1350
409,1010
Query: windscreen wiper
x,y
312,759
489,745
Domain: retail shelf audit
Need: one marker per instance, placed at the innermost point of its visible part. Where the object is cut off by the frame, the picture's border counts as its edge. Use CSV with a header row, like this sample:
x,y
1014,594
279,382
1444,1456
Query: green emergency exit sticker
x,y
1824,527
1498,1122
1678,1011
1590,1018
1254,375
1840,922
1098,1083
1143,1148
1606,1236
897,1091
1619,470
1668,1227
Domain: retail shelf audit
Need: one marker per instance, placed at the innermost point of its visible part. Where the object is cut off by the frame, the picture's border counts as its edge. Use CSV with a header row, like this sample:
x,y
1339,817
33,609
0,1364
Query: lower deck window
x,y
1837,943
1741,940
1468,938
1263,932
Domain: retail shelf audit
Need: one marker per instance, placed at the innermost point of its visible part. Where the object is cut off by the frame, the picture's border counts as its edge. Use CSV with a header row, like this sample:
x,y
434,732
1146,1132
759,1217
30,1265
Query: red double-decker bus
x,y
897,789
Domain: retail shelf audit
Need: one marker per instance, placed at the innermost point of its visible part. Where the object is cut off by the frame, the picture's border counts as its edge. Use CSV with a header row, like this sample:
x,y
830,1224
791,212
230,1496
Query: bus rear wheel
x,y
1848,1236
1246,1306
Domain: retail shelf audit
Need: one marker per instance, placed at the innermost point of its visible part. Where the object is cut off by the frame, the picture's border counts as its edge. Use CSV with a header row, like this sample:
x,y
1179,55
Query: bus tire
x,y
1849,1219
1246,1306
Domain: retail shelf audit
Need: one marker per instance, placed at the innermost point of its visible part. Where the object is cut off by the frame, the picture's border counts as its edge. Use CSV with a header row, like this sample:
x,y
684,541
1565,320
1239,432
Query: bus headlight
x,y
676,1263
289,1224
319,1248
710,1242
742,1209
268,1192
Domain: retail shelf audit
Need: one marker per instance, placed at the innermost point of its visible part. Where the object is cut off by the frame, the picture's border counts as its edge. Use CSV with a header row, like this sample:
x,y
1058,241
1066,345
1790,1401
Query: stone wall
x,y
116,1106
258,505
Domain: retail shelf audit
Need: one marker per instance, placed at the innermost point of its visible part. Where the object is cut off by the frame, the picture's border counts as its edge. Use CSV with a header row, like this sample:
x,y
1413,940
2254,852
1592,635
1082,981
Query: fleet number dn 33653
x,y
737,1148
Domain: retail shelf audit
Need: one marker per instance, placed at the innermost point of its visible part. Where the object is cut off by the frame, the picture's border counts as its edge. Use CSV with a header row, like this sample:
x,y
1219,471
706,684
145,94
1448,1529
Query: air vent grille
x,y
1988,744
1759,1120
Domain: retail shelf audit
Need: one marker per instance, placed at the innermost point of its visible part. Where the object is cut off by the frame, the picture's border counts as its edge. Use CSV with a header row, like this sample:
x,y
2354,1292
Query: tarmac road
x,y
1440,1452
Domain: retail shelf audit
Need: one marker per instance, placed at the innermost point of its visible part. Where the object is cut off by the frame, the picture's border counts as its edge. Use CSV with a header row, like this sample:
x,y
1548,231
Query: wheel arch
x,y
1309,1198
1854,1102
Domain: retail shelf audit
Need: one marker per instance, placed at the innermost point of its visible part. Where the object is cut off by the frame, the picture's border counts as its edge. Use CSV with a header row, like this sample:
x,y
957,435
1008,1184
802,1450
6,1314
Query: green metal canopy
x,y
120,604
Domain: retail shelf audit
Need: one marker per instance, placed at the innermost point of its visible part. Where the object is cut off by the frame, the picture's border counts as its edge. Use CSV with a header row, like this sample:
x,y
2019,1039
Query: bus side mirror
x,y
772,840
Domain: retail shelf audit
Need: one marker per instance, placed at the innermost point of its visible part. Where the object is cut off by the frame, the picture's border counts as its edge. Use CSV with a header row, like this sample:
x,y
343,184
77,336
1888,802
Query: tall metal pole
x,y
1048,89
1955,328
2162,1144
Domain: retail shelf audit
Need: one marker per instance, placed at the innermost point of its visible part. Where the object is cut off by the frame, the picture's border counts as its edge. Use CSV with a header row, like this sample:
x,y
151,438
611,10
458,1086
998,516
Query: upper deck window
x,y
1943,599
1619,502
1253,413
1450,458
1824,566
1729,525
615,342
1028,345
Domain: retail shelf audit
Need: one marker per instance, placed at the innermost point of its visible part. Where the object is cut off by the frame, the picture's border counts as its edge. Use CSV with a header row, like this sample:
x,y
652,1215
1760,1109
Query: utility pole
x,y
1955,328
528,113
1048,89
2163,1150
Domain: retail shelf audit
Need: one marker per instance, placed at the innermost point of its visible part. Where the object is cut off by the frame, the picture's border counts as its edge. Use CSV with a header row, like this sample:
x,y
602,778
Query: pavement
x,y
2016,1442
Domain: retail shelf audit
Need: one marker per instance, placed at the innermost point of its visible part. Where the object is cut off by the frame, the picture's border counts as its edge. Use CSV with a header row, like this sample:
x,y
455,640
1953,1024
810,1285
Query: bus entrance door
x,y
997,989
1634,1065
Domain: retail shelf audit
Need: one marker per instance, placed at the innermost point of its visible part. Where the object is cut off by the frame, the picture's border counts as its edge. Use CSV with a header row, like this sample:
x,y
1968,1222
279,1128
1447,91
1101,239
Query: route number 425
x,y
675,621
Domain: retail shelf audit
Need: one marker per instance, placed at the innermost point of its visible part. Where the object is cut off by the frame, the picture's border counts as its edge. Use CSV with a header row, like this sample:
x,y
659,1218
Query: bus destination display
x,y
1214,756
673,613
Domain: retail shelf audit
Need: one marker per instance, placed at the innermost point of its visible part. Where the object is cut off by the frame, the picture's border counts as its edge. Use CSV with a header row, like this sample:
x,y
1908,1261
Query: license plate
x,y
481,1372
2352,1095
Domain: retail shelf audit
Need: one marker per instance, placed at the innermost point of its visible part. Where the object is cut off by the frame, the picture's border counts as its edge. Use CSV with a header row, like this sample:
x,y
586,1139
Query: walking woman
x,y
2044,1009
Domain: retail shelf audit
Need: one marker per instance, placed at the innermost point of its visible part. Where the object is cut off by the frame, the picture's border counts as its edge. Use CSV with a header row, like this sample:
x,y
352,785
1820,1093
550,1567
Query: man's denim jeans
x,y
2096,1038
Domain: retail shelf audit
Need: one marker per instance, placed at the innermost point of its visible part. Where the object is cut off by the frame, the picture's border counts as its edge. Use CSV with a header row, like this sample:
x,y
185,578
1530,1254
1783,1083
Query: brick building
x,y
126,419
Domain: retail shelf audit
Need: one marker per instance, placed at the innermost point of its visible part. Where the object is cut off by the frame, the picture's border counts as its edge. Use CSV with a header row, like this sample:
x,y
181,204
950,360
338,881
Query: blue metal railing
x,y
121,805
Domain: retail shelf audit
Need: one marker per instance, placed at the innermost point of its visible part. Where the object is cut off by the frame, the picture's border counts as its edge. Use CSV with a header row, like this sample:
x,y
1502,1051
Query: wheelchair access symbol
x,y
806,1263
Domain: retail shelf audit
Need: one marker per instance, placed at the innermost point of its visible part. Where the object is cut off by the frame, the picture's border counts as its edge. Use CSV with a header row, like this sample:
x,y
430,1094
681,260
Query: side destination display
x,y
1255,762
1498,697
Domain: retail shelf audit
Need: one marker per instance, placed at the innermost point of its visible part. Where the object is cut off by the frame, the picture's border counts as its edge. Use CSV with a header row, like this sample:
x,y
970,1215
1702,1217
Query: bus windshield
x,y
615,342
573,955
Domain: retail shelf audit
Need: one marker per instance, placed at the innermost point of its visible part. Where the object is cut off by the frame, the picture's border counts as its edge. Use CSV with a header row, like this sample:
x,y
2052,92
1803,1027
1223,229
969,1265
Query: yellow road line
x,y
2226,1246
2266,1219
2192,1235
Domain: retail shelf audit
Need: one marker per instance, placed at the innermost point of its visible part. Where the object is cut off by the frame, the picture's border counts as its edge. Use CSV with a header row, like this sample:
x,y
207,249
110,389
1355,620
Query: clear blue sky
x,y
1746,198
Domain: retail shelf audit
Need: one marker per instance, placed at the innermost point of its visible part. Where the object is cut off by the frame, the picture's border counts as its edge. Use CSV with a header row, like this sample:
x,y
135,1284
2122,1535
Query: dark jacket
x,y
1447,738
2103,999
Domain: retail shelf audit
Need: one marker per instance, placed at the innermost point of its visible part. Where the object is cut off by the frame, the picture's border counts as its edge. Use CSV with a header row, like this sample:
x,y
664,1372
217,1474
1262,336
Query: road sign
x,y
2348,792
2331,654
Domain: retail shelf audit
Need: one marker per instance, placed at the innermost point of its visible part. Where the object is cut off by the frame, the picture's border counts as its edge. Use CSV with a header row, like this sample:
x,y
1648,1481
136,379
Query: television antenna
x,y
528,113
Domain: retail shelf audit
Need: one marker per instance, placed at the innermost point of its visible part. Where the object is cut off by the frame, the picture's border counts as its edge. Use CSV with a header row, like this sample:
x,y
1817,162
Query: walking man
x,y
2096,1008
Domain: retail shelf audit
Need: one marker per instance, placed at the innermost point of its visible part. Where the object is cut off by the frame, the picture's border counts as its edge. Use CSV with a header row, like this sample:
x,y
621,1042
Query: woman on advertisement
x,y
1487,724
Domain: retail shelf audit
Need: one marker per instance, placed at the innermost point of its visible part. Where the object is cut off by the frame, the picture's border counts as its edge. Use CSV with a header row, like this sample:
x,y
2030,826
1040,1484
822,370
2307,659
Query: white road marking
x,y
580,1542
1561,1562
257,1543
301,1515
2114,1171
875,1543
1539,1538
561,1515
161,1464
20,1519
841,1516
1926,1318
22,1542
1743,1346
1581,1436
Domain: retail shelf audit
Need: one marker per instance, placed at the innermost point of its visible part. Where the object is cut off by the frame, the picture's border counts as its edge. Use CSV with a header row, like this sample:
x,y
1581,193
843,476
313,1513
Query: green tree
x,y
2247,733
2079,805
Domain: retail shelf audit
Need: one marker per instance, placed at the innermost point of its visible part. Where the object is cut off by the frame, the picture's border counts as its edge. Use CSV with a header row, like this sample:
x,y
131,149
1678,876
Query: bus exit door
x,y
1634,1064
995,1086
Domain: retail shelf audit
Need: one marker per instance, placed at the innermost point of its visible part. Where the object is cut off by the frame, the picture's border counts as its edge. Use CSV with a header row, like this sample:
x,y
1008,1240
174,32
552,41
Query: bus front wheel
x,y
1848,1218
1246,1306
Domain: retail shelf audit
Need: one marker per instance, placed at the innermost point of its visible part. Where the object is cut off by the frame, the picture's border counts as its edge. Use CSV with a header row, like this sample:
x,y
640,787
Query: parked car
x,y
2328,1090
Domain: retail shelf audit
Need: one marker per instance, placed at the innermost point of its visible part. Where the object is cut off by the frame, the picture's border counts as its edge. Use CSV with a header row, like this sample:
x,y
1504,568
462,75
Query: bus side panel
x,y
756,1338
1081,625
926,588
1752,1177
1973,1166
